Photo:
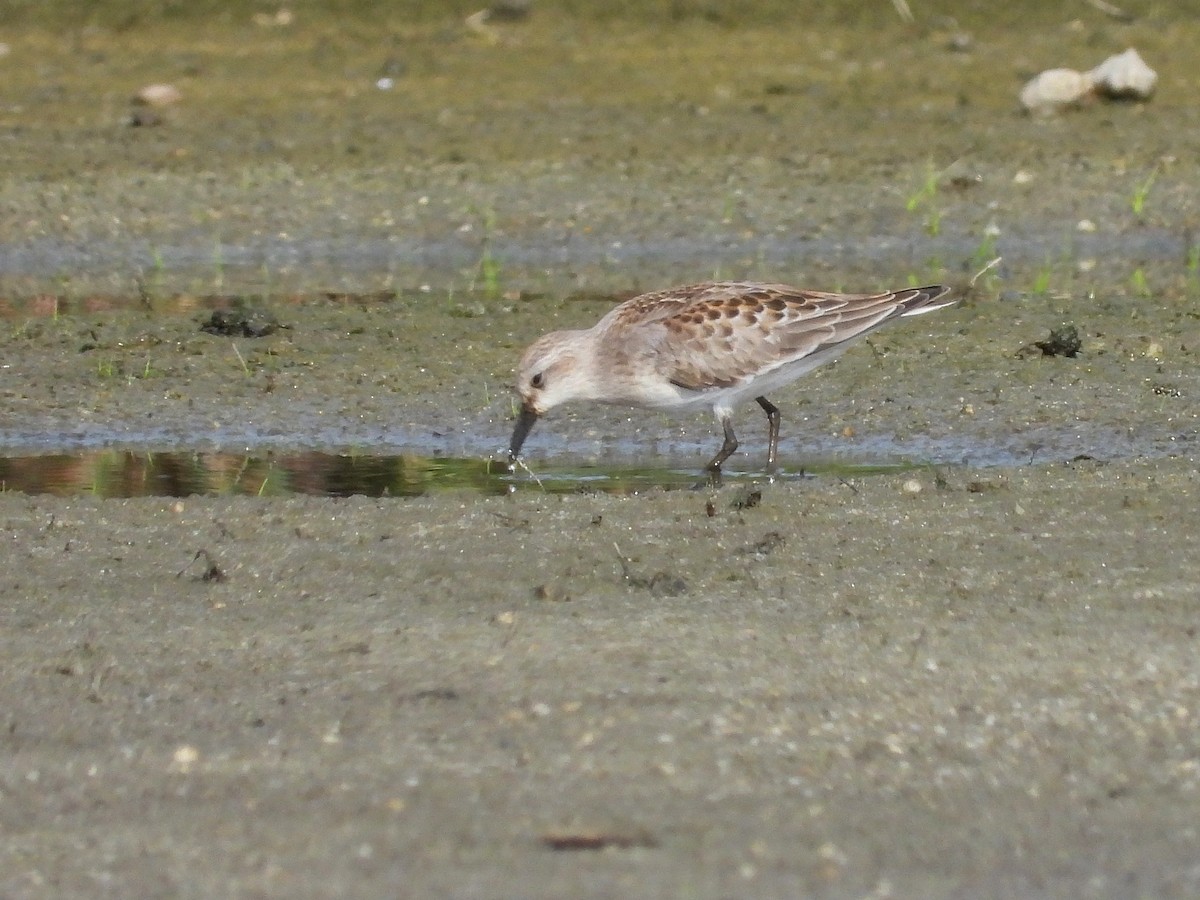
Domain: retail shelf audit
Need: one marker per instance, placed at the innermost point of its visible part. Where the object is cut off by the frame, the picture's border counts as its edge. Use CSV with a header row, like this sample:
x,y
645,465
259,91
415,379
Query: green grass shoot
x,y
1138,201
925,197
1137,281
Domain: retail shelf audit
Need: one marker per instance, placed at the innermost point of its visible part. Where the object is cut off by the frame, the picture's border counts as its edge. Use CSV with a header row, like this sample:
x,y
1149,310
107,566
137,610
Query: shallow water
x,y
119,474
275,266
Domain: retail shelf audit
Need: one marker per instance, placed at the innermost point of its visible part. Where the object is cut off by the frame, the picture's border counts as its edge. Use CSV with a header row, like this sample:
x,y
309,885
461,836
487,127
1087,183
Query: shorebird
x,y
712,345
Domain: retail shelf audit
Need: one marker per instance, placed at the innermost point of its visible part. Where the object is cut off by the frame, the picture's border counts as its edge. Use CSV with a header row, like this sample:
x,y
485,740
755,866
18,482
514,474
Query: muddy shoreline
x,y
832,689
976,678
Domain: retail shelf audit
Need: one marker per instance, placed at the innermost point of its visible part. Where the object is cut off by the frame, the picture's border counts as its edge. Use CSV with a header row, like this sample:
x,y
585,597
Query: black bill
x,y
525,423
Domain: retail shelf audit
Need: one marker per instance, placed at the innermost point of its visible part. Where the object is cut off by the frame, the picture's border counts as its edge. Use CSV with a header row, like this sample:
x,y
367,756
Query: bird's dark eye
x,y
538,380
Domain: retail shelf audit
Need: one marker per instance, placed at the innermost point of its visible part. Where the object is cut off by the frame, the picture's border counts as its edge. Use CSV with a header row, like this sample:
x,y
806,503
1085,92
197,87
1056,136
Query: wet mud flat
x,y
969,679
954,684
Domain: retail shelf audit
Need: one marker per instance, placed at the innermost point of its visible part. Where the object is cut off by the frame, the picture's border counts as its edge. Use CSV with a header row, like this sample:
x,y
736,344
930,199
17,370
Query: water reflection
x,y
116,473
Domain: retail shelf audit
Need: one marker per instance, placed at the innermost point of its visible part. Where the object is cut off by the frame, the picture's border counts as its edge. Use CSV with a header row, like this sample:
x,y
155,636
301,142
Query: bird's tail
x,y
914,301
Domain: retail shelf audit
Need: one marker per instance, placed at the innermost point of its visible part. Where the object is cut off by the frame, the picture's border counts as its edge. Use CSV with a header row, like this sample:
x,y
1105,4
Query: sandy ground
x,y
984,688
972,679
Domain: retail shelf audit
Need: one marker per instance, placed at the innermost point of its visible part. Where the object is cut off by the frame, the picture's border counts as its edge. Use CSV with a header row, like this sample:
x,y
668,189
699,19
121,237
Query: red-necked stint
x,y
705,345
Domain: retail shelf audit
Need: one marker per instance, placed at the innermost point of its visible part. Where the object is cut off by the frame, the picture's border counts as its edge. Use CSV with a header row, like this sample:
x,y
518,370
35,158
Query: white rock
x,y
1125,77
158,95
1055,90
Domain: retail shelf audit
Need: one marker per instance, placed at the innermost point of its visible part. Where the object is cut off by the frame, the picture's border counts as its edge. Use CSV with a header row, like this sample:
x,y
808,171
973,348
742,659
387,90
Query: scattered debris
x,y
241,322
552,592
770,542
212,572
597,840
747,499
361,299
660,584
437,694
1063,341
981,487
513,522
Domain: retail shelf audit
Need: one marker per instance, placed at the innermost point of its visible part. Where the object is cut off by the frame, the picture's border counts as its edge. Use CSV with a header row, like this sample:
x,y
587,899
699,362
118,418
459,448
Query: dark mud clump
x,y
251,322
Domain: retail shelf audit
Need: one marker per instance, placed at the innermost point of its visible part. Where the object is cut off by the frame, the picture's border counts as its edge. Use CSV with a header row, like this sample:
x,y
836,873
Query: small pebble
x,y
1124,77
911,486
158,95
1055,90
185,757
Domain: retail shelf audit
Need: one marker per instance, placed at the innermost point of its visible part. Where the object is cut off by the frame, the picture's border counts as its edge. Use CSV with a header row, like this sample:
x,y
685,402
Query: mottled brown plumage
x,y
712,344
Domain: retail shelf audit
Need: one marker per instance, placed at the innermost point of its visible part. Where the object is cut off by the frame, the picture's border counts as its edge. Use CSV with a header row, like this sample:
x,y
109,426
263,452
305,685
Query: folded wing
x,y
718,335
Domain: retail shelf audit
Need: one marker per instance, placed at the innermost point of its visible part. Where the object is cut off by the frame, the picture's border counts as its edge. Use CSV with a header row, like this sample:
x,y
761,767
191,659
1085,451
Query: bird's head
x,y
552,372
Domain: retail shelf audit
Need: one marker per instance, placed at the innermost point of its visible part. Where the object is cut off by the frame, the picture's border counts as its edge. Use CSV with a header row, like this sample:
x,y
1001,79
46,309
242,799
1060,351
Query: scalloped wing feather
x,y
719,335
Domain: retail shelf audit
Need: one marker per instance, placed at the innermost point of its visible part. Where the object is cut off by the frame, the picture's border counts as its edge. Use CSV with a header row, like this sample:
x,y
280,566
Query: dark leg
x,y
773,432
727,448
